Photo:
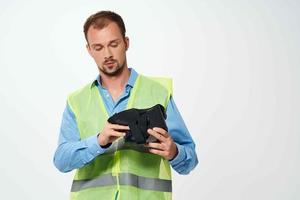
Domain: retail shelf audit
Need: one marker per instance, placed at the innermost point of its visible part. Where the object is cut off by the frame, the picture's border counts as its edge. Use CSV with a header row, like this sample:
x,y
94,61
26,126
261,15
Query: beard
x,y
114,70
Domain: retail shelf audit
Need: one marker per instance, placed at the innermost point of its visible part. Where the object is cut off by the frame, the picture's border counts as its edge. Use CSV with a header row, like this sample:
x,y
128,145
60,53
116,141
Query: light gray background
x,y
236,72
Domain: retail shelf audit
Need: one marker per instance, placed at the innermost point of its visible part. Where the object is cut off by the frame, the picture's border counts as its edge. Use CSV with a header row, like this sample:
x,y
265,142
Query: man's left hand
x,y
166,147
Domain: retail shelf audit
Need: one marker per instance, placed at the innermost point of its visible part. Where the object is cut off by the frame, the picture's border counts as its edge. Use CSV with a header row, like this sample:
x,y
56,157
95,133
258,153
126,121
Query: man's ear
x,y
89,49
126,40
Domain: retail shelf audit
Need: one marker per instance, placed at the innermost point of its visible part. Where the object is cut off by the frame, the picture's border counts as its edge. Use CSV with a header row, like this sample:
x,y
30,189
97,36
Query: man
x,y
90,144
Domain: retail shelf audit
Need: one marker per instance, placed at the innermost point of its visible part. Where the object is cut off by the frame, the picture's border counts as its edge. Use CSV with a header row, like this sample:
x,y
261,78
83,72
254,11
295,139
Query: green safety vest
x,y
126,171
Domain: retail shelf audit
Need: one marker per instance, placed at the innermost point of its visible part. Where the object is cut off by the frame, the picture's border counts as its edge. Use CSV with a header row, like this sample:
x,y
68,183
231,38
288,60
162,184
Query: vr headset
x,y
139,121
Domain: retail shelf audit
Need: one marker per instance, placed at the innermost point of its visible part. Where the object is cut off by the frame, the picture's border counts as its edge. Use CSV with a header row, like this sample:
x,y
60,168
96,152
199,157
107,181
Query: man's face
x,y
108,48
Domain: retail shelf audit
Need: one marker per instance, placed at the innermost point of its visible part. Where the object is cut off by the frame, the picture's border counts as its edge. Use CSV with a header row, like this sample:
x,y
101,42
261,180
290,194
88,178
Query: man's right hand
x,y
111,132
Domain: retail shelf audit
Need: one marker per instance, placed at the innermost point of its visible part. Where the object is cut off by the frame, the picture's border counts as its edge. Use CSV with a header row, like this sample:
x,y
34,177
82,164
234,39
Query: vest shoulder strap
x,y
166,82
79,95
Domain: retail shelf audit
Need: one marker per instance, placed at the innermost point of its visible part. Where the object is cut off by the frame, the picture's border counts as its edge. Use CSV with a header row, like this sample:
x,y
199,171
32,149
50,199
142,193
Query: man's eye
x,y
97,48
114,44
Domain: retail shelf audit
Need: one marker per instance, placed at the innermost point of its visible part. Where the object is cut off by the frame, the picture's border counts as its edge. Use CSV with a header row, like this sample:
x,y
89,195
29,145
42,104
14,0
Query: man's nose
x,y
107,53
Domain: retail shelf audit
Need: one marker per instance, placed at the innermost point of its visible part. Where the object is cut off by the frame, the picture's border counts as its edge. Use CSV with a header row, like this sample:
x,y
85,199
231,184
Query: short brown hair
x,y
101,19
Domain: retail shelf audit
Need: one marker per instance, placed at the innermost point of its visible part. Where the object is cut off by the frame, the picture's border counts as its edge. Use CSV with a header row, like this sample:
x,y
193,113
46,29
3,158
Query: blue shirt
x,y
73,153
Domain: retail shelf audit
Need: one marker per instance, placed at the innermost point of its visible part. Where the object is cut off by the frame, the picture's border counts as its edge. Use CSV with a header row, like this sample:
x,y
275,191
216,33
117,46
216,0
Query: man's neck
x,y
115,83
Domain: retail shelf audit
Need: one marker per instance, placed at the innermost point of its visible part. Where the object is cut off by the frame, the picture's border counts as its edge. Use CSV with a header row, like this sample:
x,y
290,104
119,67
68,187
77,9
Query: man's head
x,y
106,41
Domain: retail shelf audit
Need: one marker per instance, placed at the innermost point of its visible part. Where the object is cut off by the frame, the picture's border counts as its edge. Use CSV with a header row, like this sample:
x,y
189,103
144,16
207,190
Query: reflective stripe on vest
x,y
124,179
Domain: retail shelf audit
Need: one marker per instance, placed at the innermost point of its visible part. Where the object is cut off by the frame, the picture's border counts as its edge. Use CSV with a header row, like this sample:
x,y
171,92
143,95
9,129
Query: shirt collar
x,y
132,78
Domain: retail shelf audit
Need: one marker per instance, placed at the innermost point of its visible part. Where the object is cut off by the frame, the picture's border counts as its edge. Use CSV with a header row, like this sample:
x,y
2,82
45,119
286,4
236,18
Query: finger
x,y
119,127
157,152
117,134
157,135
161,131
158,146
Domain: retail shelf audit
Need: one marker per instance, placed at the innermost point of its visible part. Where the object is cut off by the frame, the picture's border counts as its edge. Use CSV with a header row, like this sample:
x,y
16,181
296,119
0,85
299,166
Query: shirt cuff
x,y
179,157
93,146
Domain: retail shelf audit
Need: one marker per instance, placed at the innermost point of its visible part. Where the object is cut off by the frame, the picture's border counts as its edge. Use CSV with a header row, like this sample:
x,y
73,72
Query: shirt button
x,y
98,151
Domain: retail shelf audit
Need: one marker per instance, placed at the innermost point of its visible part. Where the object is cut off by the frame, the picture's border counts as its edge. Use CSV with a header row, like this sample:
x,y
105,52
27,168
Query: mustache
x,y
109,61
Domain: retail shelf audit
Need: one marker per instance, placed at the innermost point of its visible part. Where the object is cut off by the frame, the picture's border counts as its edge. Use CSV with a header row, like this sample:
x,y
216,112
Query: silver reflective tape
x,y
145,183
124,179
104,180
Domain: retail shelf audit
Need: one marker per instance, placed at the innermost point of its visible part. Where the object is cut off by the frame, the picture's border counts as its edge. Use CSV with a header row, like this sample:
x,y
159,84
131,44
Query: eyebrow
x,y
98,44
